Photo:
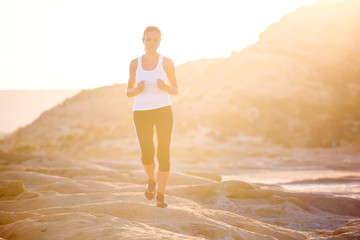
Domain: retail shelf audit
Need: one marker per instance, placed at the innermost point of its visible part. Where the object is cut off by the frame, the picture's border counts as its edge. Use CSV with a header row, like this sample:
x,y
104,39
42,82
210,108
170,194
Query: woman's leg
x,y
145,132
150,171
162,178
164,125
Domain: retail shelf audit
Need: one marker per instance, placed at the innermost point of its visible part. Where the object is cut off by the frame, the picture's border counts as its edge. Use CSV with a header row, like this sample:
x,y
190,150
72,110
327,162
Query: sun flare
x,y
81,44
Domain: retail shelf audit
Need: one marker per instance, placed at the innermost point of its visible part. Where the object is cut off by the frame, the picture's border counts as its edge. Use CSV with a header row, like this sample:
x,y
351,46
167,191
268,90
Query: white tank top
x,y
152,97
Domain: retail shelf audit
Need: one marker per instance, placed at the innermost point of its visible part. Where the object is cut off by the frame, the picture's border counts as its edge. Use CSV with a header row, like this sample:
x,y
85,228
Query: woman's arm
x,y
131,90
170,71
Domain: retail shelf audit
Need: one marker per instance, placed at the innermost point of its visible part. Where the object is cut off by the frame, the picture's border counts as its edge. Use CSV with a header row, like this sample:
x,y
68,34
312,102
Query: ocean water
x,y
342,189
330,182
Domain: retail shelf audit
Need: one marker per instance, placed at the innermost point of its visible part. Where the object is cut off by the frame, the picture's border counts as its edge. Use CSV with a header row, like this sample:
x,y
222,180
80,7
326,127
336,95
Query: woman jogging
x,y
152,79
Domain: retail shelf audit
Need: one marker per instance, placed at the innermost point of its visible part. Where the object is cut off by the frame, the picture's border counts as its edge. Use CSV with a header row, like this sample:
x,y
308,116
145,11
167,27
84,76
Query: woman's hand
x,y
167,88
141,86
161,85
132,92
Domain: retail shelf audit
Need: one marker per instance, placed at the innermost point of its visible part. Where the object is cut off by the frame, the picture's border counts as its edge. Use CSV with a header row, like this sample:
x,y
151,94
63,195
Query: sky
x,y
84,44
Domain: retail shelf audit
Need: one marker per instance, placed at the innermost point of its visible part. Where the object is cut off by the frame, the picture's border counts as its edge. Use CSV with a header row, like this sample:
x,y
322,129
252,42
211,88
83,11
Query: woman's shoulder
x,y
167,62
134,61
134,64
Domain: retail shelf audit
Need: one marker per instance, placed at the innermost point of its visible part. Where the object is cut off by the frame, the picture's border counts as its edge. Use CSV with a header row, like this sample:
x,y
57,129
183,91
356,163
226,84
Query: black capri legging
x,y
162,119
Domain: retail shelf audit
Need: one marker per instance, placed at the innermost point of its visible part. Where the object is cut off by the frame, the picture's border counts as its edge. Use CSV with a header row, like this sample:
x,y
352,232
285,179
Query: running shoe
x,y
150,190
160,202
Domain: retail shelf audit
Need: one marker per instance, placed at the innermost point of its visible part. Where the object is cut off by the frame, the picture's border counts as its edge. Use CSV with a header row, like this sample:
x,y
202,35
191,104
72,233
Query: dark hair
x,y
152,28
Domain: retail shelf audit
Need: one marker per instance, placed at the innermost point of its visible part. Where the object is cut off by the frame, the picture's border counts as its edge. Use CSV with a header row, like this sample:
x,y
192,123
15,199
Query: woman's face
x,y
151,41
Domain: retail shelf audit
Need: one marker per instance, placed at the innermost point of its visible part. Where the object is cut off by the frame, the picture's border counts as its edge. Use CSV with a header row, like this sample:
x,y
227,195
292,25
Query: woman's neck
x,y
151,54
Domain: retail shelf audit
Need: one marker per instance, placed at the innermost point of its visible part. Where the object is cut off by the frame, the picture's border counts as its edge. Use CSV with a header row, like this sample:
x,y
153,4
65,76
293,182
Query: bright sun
x,y
86,44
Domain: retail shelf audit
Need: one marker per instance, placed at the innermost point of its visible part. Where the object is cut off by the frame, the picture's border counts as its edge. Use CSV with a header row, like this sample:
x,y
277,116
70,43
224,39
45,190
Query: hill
x,y
298,85
21,107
